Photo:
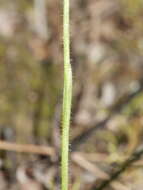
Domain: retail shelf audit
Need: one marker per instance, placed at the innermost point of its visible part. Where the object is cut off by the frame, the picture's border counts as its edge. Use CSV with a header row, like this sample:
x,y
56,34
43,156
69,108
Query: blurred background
x,y
107,110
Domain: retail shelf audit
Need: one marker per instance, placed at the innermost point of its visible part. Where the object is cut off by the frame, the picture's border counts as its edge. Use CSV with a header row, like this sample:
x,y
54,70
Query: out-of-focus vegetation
x,y
107,121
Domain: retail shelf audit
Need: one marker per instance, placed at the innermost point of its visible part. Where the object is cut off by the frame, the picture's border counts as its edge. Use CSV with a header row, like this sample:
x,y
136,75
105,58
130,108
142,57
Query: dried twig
x,y
119,106
27,148
133,158
92,168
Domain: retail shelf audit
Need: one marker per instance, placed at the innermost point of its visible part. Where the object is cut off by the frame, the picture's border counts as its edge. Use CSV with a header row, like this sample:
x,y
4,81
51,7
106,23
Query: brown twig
x,y
117,108
96,171
133,158
92,168
27,148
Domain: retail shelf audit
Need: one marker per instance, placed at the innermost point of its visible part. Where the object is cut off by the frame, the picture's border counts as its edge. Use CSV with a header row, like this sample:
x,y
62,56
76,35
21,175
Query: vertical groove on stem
x,y
67,96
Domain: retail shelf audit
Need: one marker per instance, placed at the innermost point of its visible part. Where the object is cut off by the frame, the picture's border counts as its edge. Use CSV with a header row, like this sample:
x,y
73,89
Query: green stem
x,y
67,96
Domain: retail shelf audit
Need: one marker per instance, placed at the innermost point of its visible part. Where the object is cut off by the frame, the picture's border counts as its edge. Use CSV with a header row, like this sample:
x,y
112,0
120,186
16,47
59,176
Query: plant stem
x,y
67,96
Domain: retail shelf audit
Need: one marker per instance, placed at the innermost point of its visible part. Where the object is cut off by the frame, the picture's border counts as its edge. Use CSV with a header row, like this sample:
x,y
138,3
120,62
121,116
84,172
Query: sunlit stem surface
x,y
67,96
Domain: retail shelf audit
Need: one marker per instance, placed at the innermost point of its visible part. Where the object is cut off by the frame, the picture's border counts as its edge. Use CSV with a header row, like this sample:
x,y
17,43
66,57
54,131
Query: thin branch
x,y
117,108
92,168
133,158
27,148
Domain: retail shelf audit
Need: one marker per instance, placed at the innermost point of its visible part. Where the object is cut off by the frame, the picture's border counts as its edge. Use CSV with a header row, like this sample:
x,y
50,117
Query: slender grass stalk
x,y
67,96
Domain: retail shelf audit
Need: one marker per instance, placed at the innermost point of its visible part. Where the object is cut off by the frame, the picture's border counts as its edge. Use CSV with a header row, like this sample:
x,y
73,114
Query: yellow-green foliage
x,y
135,106
132,7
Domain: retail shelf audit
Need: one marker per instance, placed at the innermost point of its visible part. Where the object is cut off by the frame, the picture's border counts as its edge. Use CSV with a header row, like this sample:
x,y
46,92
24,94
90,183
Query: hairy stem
x,y
67,96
